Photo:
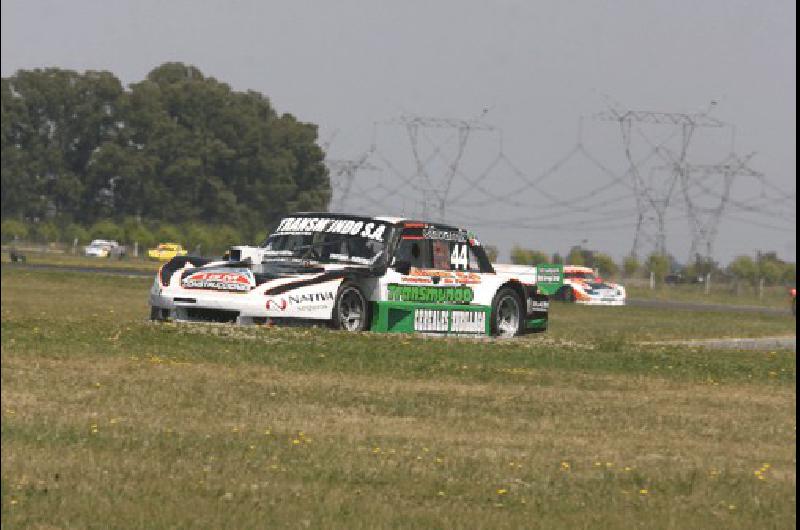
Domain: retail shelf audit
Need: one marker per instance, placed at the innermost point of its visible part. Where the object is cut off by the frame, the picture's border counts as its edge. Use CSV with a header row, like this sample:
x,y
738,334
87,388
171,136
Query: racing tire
x,y
351,310
566,294
508,317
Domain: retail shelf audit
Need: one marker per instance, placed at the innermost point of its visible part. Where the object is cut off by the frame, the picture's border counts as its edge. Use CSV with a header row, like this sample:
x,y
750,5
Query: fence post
x,y
75,246
708,283
760,288
652,280
135,249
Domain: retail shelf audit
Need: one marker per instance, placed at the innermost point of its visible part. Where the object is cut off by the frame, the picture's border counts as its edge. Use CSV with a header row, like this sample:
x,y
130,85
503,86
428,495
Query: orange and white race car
x,y
583,286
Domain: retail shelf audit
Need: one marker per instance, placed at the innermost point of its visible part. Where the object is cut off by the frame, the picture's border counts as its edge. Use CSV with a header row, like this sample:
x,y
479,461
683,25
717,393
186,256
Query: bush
x,y
576,256
72,232
223,237
136,232
107,229
659,265
523,256
605,265
167,233
630,266
12,229
46,232
199,238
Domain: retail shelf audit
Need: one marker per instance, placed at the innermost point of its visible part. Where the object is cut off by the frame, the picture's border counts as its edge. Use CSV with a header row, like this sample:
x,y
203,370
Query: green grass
x,y
111,421
773,296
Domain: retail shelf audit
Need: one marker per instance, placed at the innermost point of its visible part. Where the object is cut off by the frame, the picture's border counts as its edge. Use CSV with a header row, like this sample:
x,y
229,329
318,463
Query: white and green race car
x,y
360,273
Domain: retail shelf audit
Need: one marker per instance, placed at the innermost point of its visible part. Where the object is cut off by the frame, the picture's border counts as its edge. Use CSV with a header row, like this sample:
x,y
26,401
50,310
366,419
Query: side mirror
x,y
403,267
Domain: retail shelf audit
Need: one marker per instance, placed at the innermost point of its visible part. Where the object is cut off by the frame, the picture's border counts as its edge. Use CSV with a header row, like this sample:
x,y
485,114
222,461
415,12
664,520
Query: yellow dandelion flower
x,y
376,450
295,442
441,494
762,477
643,491
765,466
502,491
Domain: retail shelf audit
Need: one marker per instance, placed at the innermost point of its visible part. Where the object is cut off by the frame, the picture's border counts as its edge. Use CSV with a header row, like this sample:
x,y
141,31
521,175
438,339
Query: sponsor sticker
x,y
442,321
468,322
279,304
301,302
236,280
548,274
306,225
431,320
537,305
431,232
425,293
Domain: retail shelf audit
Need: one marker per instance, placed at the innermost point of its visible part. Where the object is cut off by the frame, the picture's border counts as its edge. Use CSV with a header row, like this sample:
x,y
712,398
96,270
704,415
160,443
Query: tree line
x,y
174,149
766,266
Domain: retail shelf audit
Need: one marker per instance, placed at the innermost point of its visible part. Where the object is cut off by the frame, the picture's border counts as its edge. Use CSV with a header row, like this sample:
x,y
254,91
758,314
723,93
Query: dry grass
x,y
109,421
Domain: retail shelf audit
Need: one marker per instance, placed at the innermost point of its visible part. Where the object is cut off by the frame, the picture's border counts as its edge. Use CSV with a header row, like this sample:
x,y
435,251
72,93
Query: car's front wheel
x,y
351,311
507,314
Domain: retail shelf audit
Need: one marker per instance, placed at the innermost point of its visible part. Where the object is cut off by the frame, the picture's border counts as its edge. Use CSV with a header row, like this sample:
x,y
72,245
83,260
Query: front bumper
x,y
602,301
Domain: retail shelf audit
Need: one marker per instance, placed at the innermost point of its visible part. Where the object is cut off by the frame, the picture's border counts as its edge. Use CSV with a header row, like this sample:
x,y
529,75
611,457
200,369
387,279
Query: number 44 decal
x,y
458,258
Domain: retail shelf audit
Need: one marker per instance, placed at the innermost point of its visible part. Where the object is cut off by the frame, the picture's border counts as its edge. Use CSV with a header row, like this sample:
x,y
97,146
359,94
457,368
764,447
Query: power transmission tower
x,y
704,220
436,188
652,200
344,172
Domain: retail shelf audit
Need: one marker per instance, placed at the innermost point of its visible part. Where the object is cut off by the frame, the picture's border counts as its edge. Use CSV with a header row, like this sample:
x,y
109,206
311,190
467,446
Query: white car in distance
x,y
100,248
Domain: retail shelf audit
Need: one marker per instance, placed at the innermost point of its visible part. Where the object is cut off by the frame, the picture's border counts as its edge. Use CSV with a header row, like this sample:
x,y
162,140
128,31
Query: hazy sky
x,y
536,67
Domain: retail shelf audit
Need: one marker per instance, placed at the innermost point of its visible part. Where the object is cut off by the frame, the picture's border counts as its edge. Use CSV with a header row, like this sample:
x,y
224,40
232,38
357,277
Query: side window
x,y
441,255
417,252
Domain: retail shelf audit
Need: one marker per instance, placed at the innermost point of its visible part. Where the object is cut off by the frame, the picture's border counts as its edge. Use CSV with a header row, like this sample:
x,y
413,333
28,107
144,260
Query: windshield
x,y
328,240
579,275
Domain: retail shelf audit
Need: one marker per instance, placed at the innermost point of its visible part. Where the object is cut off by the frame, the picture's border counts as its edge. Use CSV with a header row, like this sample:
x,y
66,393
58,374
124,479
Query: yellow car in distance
x,y
166,251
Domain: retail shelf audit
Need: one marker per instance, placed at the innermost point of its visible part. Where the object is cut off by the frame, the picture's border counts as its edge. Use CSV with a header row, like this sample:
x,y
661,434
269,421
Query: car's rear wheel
x,y
507,314
351,311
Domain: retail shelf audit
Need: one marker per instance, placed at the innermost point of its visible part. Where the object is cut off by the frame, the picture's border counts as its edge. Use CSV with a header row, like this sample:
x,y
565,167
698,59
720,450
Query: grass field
x,y
773,296
109,421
